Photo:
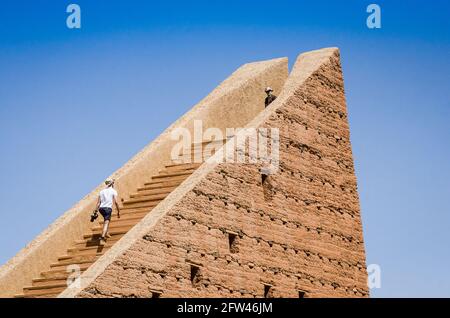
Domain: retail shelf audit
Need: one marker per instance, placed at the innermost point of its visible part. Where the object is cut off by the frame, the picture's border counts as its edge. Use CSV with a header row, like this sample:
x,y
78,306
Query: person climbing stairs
x,y
86,251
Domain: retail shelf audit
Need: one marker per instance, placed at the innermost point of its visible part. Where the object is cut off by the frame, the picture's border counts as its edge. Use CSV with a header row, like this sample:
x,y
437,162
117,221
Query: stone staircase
x,y
86,251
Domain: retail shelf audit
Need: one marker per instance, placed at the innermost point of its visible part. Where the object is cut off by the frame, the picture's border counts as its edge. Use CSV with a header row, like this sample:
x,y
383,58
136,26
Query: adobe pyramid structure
x,y
215,228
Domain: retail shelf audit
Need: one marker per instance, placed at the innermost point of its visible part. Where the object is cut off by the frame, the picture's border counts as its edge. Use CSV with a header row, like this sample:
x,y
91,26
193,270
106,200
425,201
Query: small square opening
x,y
267,291
233,242
156,294
195,270
263,178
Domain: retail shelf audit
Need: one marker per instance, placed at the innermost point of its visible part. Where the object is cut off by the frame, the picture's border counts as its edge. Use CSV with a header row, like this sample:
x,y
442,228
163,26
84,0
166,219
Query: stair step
x,y
77,255
212,141
134,205
201,154
136,210
45,295
115,226
113,232
183,165
91,240
169,175
127,217
180,168
92,250
159,185
124,220
174,170
49,291
79,259
45,282
94,236
62,285
61,273
97,248
153,197
64,264
192,158
94,243
74,261
153,192
162,180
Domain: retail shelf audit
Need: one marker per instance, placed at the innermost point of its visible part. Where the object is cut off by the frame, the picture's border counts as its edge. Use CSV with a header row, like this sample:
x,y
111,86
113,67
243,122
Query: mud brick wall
x,y
234,235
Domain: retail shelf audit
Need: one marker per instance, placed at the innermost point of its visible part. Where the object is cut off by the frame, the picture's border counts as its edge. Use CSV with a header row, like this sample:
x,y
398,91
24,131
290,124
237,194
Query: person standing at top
x,y
270,97
106,199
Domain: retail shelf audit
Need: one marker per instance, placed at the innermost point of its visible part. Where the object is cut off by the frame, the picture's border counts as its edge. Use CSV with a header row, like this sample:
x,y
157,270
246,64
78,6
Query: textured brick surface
x,y
299,230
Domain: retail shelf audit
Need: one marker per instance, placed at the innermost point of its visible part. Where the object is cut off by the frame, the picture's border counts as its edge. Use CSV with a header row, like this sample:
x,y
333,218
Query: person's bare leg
x,y
105,228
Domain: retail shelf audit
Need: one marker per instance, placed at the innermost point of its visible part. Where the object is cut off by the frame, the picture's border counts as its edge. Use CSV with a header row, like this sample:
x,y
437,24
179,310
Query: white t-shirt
x,y
107,197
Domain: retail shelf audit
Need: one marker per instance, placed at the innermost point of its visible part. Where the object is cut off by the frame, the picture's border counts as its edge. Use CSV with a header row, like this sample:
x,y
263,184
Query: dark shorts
x,y
106,213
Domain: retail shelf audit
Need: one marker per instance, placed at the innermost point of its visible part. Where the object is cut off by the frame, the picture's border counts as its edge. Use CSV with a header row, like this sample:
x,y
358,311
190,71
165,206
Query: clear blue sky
x,y
75,105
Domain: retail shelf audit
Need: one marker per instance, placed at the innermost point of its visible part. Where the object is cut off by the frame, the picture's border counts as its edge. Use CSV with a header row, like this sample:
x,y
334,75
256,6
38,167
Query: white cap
x,y
269,89
109,181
